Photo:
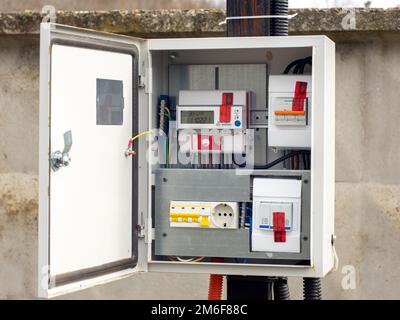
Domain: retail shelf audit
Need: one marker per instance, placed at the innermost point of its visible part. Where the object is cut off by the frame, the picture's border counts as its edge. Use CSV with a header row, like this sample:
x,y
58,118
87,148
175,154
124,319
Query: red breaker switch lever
x,y
279,227
300,96
226,107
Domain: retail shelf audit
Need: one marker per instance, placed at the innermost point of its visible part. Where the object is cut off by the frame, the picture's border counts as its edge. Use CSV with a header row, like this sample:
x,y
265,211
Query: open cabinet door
x,y
88,186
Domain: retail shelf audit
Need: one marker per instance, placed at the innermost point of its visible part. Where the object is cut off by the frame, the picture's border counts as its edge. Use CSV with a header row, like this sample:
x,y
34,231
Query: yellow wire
x,y
141,135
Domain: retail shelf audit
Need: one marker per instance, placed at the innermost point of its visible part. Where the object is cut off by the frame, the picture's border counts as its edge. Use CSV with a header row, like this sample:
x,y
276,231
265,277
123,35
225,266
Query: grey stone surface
x,y
19,89
367,189
146,23
16,6
199,22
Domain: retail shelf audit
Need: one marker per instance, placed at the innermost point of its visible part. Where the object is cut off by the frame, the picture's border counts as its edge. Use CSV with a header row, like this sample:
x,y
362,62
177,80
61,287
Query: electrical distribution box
x,y
162,155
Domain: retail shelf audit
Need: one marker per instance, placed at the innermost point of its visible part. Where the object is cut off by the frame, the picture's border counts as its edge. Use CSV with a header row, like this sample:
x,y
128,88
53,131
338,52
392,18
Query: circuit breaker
x,y
276,215
184,155
290,108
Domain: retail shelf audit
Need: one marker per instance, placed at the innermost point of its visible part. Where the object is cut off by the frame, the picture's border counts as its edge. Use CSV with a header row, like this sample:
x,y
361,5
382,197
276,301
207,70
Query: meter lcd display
x,y
197,117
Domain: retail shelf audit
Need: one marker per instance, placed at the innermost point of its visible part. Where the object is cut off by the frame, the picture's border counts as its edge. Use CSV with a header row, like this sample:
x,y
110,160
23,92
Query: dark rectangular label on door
x,y
109,102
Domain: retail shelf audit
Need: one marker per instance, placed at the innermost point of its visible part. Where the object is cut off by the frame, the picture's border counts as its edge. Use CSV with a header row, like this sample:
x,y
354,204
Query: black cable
x,y
235,163
299,65
277,161
291,65
302,65
304,161
306,61
297,68
312,289
281,289
280,26
281,159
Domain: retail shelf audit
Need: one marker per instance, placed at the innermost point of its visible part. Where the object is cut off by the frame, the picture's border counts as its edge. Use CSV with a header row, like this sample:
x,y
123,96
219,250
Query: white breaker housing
x,y
273,197
288,126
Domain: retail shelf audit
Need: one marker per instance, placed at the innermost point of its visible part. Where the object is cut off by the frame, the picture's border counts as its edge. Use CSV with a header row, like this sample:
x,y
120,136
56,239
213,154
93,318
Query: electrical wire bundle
x,y
165,118
295,163
289,155
248,216
299,161
298,66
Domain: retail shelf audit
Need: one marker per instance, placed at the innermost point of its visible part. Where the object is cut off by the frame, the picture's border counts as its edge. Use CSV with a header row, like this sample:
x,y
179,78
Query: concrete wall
x,y
367,189
12,5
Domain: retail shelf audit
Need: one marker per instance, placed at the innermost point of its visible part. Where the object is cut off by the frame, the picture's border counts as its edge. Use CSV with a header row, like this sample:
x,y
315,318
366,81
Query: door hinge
x,y
141,81
140,231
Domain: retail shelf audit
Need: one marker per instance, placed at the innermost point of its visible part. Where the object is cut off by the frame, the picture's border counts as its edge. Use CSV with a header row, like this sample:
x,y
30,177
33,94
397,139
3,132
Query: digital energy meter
x,y
200,109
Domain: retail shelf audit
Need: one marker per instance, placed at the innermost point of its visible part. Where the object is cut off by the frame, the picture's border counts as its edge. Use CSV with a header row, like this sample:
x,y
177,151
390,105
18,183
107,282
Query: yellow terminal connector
x,y
204,222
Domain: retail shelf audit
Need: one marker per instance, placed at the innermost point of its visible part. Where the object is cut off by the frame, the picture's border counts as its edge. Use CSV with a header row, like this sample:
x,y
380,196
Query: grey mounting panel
x,y
224,186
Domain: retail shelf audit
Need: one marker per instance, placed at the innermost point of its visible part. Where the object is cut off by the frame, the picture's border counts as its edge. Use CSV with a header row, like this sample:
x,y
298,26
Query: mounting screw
x,y
305,238
306,181
164,234
269,55
164,179
173,55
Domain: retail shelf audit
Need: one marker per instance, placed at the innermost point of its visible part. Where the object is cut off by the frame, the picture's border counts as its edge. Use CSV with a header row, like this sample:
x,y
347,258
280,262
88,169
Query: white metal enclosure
x,y
96,214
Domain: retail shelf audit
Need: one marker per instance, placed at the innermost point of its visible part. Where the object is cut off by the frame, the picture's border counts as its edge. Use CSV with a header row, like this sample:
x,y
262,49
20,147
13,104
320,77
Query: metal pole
x,y
248,27
243,287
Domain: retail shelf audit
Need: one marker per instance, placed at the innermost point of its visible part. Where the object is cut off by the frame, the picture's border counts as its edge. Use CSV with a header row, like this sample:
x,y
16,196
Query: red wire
x,y
216,284
215,287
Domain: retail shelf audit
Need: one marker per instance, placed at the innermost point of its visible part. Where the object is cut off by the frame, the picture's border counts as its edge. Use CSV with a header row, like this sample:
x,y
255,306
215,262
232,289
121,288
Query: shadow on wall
x,y
12,6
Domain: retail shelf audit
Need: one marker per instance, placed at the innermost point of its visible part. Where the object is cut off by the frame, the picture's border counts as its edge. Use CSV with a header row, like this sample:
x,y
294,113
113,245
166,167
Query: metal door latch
x,y
62,159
